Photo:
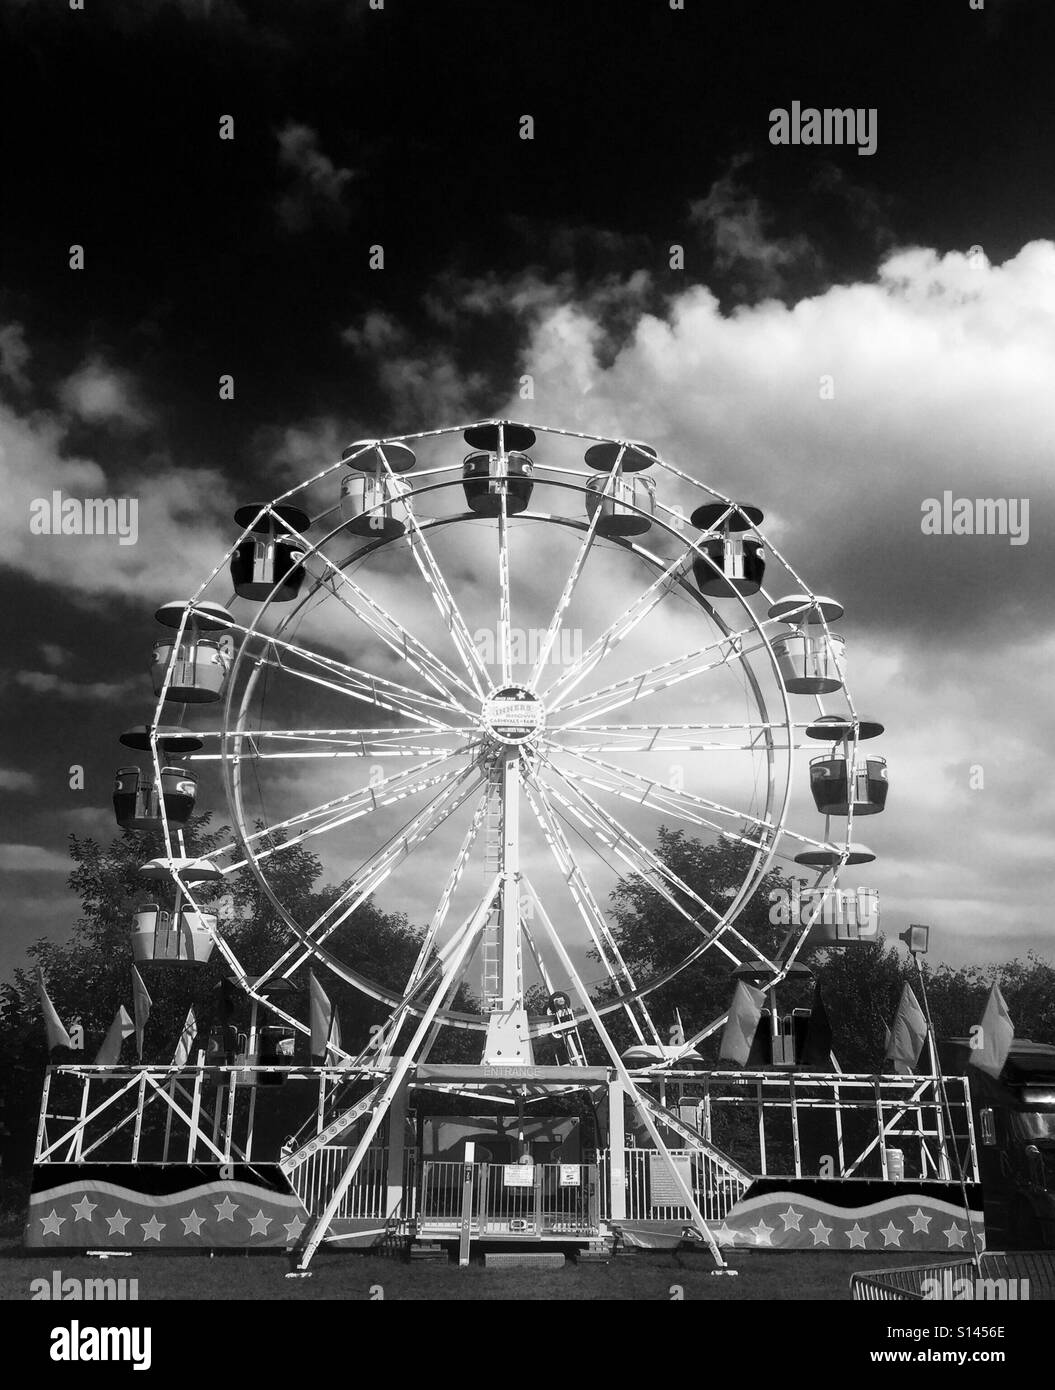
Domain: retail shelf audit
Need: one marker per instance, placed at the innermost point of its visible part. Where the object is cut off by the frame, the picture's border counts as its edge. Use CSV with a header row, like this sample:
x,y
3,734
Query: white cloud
x,y
942,377
735,224
33,859
182,517
14,355
316,188
101,394
47,683
55,655
14,780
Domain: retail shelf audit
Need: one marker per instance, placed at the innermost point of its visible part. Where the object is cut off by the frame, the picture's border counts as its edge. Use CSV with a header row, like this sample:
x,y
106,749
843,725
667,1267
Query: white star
x,y
891,1234
954,1235
117,1222
762,1233
192,1224
152,1229
857,1236
791,1219
724,1235
52,1222
259,1223
293,1228
920,1222
820,1232
84,1208
226,1209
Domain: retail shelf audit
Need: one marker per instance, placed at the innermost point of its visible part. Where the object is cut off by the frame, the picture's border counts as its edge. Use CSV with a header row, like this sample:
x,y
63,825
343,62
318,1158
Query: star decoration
x,y
724,1236
820,1233
117,1223
920,1222
293,1228
192,1224
259,1223
954,1236
84,1208
226,1209
791,1219
891,1234
152,1229
762,1233
857,1236
52,1222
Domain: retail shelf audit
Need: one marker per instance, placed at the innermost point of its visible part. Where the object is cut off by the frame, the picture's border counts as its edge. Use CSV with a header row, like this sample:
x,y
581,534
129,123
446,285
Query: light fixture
x,y
916,938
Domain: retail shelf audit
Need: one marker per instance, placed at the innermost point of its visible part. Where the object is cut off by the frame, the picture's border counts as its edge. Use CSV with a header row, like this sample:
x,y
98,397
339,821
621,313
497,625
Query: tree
x,y
654,937
89,976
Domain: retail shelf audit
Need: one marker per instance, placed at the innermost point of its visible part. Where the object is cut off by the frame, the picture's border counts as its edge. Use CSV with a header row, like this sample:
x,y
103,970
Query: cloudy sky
x,y
843,336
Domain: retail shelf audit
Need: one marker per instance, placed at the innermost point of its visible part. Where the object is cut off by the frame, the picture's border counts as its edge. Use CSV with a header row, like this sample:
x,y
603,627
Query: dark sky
x,y
400,127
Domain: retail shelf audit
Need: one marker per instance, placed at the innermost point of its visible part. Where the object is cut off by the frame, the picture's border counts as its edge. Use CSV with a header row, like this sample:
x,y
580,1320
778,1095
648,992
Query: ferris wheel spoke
x,y
377,742
420,974
376,869
385,626
661,796
650,866
505,634
362,801
361,685
442,596
617,631
663,738
642,870
679,668
578,566
589,910
313,948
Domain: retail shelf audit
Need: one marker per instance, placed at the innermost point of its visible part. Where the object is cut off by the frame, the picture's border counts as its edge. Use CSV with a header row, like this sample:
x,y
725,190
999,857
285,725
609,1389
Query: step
x,y
530,1259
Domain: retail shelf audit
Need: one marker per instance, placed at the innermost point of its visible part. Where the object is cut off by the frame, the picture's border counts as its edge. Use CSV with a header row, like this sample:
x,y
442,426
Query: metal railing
x,y
367,1196
510,1199
714,1189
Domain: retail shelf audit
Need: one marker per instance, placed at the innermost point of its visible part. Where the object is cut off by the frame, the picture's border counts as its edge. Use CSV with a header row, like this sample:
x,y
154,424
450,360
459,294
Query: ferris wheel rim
x,y
755,873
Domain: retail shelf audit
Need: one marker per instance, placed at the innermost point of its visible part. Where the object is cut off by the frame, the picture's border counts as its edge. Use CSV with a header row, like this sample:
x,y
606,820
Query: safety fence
x,y
652,1193
510,1199
999,1276
554,1197
367,1197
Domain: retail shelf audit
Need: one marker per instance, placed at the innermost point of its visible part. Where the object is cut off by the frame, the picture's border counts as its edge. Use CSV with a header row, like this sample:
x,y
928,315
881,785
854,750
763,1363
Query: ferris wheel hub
x,y
513,715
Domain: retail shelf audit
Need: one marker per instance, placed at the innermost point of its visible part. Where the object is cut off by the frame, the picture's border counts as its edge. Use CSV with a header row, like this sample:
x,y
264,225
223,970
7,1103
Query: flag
x,y
110,1052
817,1049
141,1002
57,1035
908,1033
997,1035
321,1017
740,1026
332,1059
190,1032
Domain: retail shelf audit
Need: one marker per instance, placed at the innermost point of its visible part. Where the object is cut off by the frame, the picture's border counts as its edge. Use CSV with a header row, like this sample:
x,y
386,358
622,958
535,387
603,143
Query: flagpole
x,y
944,1105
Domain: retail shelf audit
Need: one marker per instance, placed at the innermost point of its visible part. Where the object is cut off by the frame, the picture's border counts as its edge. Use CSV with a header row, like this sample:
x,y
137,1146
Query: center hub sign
x,y
513,714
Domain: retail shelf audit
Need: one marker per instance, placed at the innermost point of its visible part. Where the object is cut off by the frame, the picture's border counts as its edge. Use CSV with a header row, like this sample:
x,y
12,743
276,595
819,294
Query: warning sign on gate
x,y
519,1176
569,1175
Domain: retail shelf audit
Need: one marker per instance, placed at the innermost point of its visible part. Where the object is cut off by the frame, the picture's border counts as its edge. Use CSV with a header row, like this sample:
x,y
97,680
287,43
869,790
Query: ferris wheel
x,y
477,670
508,667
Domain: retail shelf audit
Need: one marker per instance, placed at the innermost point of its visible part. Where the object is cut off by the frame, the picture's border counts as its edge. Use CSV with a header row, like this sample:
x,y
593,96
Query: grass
x,y
763,1275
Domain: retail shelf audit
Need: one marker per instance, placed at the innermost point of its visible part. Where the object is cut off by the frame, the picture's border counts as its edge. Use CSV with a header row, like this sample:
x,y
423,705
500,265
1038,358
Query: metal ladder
x,y
490,942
